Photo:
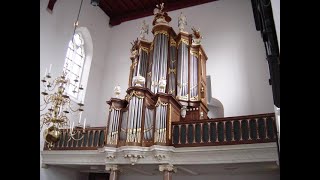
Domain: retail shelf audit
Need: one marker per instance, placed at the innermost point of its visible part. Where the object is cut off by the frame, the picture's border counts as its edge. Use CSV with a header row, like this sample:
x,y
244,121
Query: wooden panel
x,y
125,10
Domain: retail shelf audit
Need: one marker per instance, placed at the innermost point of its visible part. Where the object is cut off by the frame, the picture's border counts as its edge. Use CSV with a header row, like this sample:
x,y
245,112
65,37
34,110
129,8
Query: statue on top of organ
x,y
167,83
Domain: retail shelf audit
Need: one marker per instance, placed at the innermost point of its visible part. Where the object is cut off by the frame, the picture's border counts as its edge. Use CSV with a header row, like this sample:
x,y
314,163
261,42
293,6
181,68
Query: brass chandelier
x,y
57,106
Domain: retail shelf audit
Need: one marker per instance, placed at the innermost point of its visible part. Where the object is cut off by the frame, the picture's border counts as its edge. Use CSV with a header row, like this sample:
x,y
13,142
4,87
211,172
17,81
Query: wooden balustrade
x,y
259,128
225,131
93,139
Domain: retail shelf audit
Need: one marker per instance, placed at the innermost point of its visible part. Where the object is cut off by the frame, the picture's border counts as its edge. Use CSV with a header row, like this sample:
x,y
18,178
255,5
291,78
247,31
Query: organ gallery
x,y
166,83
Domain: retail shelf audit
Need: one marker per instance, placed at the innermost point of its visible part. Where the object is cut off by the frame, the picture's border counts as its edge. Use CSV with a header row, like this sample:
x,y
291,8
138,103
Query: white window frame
x,y
79,97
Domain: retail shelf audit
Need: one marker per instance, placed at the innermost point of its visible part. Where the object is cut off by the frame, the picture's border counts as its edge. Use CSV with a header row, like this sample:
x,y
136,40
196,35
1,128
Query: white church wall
x,y
236,55
56,30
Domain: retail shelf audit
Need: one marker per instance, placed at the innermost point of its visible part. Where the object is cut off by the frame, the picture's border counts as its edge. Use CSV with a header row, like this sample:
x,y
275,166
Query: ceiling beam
x,y
106,8
123,4
148,11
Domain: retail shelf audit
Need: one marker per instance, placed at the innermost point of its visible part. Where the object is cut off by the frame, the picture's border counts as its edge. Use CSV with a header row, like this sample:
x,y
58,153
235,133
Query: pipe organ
x,y
167,83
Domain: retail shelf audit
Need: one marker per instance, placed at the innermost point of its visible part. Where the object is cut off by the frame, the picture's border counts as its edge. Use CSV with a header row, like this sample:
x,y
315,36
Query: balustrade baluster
x,y
201,132
240,132
209,132
194,133
179,142
232,131
258,137
187,133
265,128
224,131
249,130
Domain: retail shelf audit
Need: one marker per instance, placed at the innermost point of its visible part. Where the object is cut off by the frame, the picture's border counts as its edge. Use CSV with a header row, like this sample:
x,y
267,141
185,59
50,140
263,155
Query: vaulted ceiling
x,y
125,10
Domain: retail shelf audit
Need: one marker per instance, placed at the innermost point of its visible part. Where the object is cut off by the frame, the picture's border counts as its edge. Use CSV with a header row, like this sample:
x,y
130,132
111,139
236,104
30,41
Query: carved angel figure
x,y
182,21
158,9
196,36
144,30
196,33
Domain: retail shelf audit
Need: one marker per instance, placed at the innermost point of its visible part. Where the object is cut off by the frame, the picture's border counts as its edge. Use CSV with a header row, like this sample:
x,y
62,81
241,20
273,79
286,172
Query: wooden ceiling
x,y
125,10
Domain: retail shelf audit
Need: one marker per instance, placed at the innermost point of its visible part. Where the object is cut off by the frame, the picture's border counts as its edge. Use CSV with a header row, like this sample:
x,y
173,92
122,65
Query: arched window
x,y
74,66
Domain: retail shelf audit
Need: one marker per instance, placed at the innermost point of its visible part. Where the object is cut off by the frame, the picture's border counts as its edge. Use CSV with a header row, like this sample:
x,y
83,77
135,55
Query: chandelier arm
x,y
41,126
44,85
46,100
44,106
72,109
53,87
82,135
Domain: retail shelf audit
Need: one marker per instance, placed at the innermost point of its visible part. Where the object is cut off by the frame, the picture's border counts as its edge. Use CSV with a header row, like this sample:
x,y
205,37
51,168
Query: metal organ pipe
x,y
137,134
133,121
123,125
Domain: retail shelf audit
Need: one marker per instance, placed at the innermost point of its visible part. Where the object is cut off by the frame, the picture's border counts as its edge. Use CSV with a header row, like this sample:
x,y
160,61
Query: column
x,y
167,170
114,171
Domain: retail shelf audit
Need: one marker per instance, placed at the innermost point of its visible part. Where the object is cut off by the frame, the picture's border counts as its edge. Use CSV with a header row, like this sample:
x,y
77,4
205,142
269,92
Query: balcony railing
x,y
225,131
259,128
93,139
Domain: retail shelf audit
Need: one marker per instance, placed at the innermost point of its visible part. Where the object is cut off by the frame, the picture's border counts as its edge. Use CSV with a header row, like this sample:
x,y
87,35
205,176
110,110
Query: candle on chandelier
x,y
45,74
50,68
72,127
84,124
80,117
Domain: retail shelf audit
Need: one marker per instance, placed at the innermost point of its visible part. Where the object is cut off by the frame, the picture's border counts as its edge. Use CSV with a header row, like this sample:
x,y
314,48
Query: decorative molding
x,y
167,167
133,158
110,157
160,157
261,152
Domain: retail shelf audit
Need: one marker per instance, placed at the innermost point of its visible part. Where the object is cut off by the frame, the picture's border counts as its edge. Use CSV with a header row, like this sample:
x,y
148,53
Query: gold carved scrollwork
x,y
151,46
195,54
134,64
185,41
134,93
113,107
160,103
171,91
172,71
173,42
161,32
145,49
195,98
185,97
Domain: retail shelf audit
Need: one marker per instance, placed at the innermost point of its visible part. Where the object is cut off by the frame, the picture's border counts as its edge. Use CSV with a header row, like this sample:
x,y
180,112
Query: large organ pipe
x,y
135,103
123,125
138,120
